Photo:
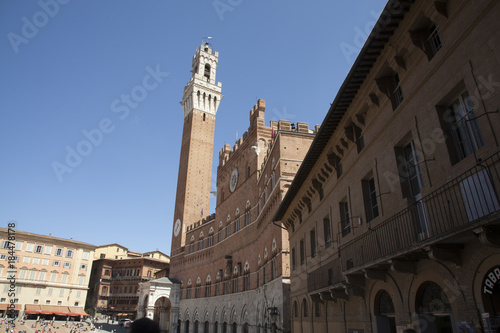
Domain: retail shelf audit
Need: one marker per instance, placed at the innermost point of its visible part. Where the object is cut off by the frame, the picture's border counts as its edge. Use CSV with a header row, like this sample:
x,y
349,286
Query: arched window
x,y
432,302
433,299
304,308
295,309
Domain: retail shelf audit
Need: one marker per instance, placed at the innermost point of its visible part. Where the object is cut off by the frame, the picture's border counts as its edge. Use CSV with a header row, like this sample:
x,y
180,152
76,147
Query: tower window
x,y
207,72
204,117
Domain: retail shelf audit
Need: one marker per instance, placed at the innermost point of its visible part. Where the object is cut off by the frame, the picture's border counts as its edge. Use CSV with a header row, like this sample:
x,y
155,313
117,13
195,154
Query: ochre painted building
x,y
51,274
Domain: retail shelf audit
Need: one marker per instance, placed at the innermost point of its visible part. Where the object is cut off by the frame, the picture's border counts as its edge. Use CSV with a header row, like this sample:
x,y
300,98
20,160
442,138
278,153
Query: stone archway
x,y
162,313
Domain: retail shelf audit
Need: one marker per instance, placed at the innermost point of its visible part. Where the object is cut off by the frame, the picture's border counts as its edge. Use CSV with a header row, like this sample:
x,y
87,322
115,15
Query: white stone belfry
x,y
201,92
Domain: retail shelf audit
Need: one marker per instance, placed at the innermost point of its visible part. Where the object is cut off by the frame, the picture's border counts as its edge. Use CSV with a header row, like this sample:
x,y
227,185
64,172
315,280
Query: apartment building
x,y
393,217
115,280
51,274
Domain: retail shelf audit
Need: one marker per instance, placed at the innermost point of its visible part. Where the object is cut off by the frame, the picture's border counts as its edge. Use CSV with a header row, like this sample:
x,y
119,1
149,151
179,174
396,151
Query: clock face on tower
x,y
177,227
233,180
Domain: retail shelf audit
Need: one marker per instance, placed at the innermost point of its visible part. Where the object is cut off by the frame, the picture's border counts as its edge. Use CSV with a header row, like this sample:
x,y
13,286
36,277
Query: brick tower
x,y
200,102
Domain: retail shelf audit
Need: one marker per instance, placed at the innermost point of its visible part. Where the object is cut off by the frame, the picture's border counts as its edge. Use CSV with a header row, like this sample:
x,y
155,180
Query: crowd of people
x,y
143,325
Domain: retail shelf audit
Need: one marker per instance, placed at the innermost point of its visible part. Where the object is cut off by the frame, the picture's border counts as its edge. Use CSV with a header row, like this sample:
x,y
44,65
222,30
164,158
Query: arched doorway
x,y
162,313
433,309
385,314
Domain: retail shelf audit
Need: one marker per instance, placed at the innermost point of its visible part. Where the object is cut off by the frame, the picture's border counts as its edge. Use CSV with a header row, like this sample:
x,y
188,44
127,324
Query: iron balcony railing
x,y
462,204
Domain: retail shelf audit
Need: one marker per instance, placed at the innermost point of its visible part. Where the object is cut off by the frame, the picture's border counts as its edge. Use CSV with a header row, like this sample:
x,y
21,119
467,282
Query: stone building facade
x,y
114,285
233,266
394,216
51,274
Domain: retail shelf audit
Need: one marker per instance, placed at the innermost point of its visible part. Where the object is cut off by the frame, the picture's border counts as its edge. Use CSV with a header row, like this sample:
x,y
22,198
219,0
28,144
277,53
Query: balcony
x,y
436,226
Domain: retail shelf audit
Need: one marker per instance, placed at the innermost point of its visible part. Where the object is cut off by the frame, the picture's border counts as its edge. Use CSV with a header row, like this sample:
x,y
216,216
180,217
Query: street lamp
x,y
274,313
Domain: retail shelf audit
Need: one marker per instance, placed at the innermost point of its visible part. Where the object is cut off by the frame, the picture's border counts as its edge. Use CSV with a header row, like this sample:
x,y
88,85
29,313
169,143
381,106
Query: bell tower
x,y
200,102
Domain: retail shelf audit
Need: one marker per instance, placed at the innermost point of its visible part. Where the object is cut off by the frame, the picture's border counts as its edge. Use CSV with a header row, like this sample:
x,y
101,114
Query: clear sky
x,y
74,168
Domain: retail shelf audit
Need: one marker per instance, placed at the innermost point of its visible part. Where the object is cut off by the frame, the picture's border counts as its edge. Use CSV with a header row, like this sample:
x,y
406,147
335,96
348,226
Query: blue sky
x,y
63,63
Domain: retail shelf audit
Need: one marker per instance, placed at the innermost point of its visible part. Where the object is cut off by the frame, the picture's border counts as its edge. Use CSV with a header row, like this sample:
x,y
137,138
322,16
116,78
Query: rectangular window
x,y
397,95
389,86
327,231
302,252
275,269
41,276
293,259
191,248
200,244
370,199
48,249
247,218
36,261
81,280
434,39
85,255
67,265
61,292
32,275
228,230
35,301
45,262
237,225
22,274
265,274
53,277
59,252
6,244
64,278
38,249
49,291
83,267
210,240
345,222
29,247
235,285
460,120
69,253
26,259
19,245
246,282
208,290
312,239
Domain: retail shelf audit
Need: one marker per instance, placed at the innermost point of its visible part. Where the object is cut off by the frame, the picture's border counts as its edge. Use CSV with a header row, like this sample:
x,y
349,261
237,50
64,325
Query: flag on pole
x,y
272,133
